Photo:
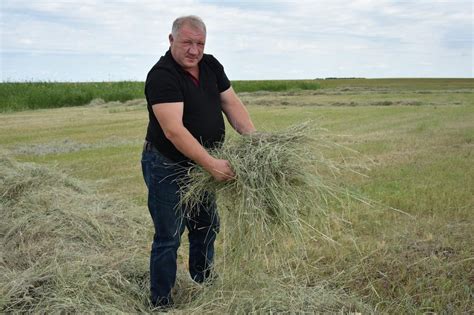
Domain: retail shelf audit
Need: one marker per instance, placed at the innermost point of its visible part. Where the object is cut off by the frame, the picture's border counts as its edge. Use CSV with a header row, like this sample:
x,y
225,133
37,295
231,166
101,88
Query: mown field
x,y
415,135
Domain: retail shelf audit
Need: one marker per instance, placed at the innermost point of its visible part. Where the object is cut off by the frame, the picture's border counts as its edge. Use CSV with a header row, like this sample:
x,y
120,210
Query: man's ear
x,y
170,37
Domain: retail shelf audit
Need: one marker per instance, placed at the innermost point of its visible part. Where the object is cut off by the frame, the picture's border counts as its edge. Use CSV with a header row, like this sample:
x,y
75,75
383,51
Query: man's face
x,y
188,46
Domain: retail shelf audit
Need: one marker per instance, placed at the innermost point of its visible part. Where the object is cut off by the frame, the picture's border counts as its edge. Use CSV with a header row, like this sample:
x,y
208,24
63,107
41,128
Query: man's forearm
x,y
236,113
169,116
184,141
243,124
240,120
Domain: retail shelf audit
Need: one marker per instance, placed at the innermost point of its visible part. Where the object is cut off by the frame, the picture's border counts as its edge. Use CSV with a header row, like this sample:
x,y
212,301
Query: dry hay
x,y
279,200
69,145
66,249
282,178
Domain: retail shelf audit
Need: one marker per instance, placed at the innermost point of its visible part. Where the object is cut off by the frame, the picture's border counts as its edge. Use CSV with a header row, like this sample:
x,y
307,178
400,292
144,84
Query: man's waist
x,y
148,146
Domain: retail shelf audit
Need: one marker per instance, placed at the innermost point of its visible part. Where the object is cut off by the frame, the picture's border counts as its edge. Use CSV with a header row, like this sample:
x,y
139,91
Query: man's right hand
x,y
220,170
170,118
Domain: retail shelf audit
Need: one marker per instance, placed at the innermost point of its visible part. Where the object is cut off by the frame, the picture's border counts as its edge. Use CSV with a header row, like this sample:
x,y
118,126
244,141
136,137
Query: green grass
x,y
35,95
400,84
422,159
275,85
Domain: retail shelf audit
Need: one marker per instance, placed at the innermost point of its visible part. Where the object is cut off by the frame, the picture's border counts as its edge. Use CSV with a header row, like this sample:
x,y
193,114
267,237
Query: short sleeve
x,y
162,86
223,82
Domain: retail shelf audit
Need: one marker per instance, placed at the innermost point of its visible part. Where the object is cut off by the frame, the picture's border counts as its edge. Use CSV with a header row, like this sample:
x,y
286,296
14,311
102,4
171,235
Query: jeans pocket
x,y
161,178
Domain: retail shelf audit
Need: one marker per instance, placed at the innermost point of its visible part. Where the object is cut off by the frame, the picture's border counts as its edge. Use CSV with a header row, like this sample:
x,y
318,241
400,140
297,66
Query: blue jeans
x,y
161,175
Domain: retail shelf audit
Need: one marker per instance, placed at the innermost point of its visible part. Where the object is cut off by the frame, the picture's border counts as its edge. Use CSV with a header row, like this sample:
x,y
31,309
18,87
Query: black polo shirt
x,y
167,82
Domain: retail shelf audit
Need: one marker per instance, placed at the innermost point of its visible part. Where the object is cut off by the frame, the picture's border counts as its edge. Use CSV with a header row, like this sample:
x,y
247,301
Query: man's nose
x,y
194,49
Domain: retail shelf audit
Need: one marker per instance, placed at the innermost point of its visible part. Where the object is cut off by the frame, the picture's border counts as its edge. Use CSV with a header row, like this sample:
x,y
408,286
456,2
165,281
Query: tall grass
x,y
35,95
16,96
275,85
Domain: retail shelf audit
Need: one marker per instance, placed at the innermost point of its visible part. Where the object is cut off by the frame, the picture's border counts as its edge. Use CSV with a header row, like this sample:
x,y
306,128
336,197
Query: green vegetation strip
x,y
16,96
275,85
35,95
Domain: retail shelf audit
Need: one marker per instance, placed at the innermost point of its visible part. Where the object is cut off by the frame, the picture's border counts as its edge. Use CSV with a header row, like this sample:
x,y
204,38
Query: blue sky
x,y
92,40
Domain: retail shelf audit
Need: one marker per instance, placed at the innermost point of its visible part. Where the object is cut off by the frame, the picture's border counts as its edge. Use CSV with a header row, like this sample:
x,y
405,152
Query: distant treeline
x,y
342,78
35,95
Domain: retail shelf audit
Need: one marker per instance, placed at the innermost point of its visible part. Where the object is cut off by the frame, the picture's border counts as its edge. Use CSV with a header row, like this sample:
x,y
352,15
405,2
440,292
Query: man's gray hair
x,y
193,20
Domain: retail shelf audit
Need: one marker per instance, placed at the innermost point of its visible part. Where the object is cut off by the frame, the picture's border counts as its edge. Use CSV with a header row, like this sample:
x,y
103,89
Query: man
x,y
187,91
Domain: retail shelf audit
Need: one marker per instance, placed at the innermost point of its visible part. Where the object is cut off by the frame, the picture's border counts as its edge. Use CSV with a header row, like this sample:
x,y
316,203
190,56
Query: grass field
x,y
15,96
418,136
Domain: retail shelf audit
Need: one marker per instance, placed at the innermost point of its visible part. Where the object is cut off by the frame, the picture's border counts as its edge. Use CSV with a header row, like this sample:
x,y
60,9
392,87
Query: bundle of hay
x,y
281,177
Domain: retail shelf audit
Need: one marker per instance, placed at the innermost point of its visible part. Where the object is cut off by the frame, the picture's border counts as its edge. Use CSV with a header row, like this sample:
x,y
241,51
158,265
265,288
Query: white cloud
x,y
277,38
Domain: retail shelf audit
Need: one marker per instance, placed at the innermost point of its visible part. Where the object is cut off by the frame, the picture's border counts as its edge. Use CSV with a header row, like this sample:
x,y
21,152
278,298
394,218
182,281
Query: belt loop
x,y
146,146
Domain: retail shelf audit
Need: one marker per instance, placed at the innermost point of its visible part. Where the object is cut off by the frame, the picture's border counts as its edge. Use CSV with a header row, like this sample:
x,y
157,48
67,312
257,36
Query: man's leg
x,y
163,196
203,228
